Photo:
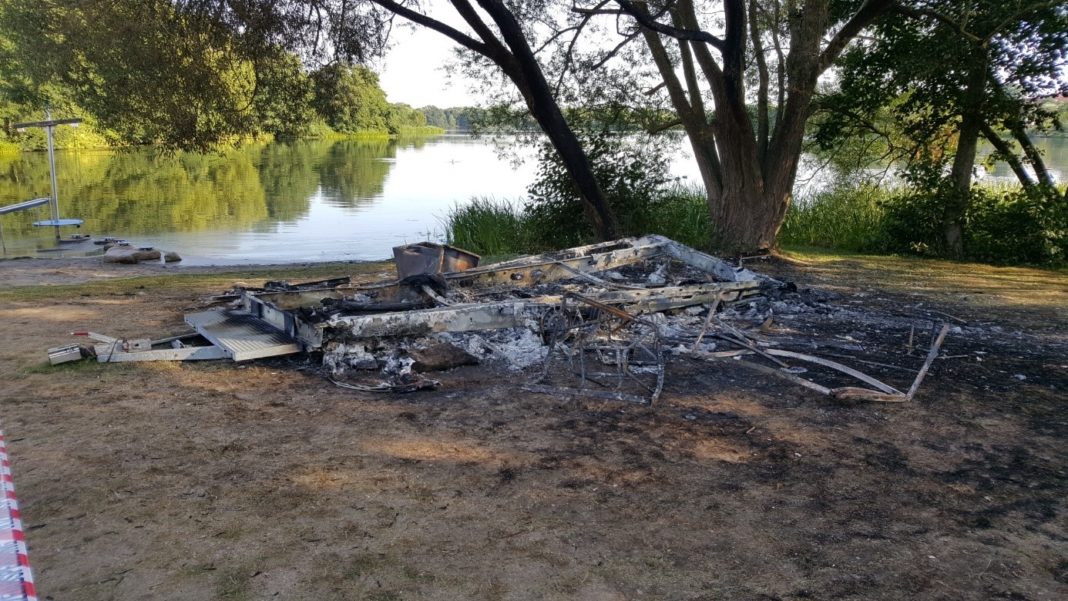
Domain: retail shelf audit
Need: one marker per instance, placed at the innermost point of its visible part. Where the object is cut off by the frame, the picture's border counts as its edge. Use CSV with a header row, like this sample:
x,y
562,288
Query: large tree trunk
x,y
745,217
748,175
594,204
964,160
523,69
758,186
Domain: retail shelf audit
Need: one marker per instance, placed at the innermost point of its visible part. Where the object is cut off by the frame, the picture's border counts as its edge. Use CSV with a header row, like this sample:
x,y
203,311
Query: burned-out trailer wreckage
x,y
600,321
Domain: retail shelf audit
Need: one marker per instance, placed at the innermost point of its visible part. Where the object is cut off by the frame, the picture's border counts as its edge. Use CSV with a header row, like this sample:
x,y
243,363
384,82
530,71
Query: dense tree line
x,y
463,118
175,79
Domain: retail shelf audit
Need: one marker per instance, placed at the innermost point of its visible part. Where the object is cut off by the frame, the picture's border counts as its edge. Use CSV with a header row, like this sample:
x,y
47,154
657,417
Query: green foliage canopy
x,y
349,99
183,76
903,92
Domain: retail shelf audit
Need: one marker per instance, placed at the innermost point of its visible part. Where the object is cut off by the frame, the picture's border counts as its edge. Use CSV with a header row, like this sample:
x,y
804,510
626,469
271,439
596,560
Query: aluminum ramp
x,y
241,335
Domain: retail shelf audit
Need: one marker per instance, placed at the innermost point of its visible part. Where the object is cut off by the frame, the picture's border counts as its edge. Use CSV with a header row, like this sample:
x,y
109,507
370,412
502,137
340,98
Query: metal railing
x,y
22,206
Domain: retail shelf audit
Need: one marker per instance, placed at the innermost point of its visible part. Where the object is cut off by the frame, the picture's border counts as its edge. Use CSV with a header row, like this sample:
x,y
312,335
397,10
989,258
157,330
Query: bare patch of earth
x,y
264,481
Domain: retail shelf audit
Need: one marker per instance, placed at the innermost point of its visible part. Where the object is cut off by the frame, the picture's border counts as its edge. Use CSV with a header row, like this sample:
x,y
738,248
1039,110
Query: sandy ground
x,y
34,271
264,481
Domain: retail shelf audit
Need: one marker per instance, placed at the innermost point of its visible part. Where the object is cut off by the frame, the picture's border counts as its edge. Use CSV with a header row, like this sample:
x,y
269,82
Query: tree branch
x,y
1018,14
864,15
470,15
576,28
643,17
762,86
1007,155
780,68
614,51
945,19
430,23
659,127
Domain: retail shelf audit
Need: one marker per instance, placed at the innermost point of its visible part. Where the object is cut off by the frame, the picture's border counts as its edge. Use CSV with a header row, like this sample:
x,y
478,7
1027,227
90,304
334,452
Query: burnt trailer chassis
x,y
286,311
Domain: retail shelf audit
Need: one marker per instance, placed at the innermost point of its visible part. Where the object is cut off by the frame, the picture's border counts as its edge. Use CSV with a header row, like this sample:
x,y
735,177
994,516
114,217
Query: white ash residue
x,y
516,348
339,358
398,364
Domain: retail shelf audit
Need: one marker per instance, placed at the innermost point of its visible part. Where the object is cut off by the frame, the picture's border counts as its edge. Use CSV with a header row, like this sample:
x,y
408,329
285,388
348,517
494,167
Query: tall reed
x,y
846,218
487,226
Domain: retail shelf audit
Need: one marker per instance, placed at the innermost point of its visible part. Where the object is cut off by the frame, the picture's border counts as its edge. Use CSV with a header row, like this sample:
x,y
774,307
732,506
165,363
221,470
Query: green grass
x,y
850,219
321,131
419,132
681,214
488,226
73,367
1003,224
9,150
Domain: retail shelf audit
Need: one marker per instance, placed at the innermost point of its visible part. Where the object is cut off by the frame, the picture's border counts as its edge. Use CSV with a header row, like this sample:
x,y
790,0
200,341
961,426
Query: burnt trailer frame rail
x,y
282,309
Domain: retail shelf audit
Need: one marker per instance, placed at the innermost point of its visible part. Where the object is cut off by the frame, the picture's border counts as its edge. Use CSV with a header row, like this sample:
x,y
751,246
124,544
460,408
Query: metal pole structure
x,y
52,170
49,124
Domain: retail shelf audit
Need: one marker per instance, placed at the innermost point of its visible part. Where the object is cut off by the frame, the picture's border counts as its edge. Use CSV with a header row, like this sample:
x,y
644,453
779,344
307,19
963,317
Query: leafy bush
x,y
632,172
1017,226
1002,225
913,222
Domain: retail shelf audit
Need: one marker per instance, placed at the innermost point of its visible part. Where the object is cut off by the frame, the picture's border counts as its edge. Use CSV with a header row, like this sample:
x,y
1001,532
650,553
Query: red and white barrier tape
x,y
16,579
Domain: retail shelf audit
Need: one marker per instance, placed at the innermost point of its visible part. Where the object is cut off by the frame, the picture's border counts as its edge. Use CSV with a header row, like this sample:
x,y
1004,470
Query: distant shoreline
x,y
47,271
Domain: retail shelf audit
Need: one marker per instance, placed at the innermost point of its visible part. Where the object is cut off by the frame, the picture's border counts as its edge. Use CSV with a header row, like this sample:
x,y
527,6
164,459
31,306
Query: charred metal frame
x,y
281,309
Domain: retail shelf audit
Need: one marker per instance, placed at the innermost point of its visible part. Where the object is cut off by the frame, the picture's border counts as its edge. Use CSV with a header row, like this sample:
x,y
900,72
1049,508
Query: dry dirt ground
x,y
264,481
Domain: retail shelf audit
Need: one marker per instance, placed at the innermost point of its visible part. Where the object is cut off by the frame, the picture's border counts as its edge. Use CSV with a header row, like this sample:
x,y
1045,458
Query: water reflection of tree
x,y
354,171
184,193
415,142
143,192
289,172
25,176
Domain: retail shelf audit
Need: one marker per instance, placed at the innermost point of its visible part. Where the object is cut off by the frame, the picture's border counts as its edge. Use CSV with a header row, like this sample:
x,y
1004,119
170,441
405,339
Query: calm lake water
x,y
278,202
281,202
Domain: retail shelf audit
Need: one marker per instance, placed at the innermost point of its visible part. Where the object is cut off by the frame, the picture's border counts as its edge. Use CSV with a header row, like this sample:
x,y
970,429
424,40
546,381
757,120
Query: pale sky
x,y
413,71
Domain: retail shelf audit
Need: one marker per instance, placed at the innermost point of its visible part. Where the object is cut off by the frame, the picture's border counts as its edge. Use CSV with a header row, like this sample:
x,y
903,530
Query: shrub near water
x,y
631,170
488,226
1013,225
1002,225
632,173
680,213
848,218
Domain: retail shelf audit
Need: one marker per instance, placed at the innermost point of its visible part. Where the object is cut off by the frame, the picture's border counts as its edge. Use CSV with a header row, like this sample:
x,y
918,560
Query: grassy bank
x,y
86,137
968,287
1003,224
8,150
850,219
319,130
500,226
